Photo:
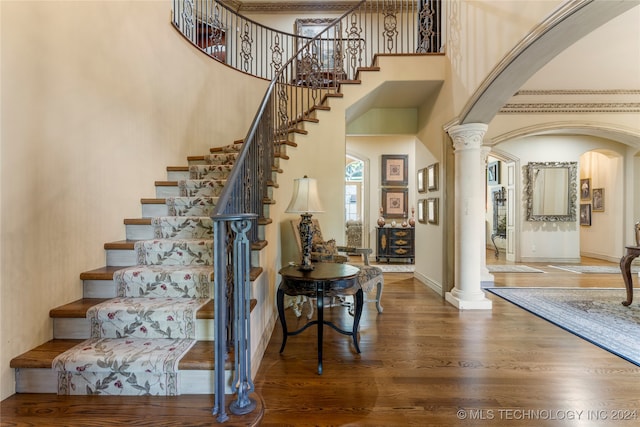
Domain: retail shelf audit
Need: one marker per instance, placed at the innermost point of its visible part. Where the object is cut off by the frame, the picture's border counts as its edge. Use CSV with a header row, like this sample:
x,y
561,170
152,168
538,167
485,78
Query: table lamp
x,y
305,201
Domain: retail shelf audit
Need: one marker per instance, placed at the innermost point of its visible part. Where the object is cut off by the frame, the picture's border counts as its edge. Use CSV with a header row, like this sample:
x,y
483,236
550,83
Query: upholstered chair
x,y
369,278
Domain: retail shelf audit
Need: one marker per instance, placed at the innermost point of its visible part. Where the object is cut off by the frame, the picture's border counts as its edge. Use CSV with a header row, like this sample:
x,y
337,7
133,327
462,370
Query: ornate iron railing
x,y
304,69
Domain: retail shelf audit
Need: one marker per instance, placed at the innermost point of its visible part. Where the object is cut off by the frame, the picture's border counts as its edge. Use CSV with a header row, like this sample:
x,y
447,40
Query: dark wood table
x,y
327,279
625,266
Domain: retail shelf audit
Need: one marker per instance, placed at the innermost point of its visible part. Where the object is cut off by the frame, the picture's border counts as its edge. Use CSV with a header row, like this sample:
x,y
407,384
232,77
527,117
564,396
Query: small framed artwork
x,y
307,28
597,201
422,210
432,210
432,177
585,214
585,189
395,172
493,173
394,202
422,180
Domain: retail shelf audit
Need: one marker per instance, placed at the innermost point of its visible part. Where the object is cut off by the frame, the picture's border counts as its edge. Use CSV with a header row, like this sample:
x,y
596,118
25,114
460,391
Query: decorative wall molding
x,y
574,101
579,92
290,6
558,107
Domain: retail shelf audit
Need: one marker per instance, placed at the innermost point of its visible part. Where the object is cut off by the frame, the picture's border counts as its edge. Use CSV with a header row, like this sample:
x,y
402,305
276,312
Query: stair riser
x,y
121,257
33,380
163,192
139,232
177,176
154,210
99,289
80,328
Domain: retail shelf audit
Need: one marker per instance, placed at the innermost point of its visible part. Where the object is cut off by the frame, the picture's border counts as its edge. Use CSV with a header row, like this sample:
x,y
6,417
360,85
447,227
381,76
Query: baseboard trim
x,y
436,287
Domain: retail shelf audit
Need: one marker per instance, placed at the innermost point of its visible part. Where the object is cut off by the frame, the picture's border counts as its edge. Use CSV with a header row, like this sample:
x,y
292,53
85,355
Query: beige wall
x,y
473,50
97,99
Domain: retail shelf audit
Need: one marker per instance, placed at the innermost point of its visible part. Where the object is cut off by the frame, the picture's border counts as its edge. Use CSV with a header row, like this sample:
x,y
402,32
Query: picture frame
x,y
585,189
422,180
597,195
432,177
394,202
395,171
432,210
308,28
585,214
493,173
422,211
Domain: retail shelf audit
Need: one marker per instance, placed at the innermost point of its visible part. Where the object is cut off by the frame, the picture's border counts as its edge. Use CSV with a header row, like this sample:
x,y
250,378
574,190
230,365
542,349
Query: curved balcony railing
x,y
304,69
371,27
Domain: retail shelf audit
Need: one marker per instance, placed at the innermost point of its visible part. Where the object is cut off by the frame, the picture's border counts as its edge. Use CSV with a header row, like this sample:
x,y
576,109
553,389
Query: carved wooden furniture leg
x,y
625,267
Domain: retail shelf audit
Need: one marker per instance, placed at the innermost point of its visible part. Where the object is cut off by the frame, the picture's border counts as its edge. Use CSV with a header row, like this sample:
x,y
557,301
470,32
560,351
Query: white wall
x,y
562,241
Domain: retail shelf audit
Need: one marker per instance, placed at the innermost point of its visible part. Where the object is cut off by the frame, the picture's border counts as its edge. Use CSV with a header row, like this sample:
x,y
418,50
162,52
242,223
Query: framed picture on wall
x,y
422,210
493,173
432,210
585,189
432,177
394,202
585,214
395,171
598,199
422,180
307,28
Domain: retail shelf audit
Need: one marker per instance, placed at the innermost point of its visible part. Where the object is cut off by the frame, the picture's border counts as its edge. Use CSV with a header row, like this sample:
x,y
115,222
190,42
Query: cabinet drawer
x,y
402,234
398,241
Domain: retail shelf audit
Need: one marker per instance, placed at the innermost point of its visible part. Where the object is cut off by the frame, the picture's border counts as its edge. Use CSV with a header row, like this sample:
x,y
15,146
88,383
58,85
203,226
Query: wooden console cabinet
x,y
396,242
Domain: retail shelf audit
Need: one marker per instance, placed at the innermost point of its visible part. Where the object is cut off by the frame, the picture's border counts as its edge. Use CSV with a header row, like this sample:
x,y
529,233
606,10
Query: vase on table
x,y
381,220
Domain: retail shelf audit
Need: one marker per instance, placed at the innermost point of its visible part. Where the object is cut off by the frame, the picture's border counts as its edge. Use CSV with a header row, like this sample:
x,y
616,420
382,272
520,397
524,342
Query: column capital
x,y
467,136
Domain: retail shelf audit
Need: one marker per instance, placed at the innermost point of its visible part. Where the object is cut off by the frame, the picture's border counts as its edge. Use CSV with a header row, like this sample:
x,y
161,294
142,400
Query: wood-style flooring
x,y
423,363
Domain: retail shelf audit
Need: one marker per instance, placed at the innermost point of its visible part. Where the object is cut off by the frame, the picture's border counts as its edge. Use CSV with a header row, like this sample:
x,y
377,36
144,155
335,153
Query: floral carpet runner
x,y
137,339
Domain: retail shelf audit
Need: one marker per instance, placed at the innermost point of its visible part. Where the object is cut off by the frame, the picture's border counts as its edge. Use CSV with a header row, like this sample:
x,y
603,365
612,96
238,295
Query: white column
x,y
470,183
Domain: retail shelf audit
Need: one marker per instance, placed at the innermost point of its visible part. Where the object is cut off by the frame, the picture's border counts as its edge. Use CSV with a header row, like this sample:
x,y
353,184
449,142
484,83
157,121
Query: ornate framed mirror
x,y
551,191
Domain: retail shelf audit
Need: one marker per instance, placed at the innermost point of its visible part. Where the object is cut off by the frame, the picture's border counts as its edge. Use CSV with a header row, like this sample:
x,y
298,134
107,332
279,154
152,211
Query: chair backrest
x,y
315,229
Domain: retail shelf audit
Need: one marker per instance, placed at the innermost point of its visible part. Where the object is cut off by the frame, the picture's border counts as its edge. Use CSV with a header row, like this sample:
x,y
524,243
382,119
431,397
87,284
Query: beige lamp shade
x,y
305,198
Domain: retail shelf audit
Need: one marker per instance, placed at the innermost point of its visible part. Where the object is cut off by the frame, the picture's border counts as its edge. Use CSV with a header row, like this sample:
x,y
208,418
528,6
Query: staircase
x,y
154,292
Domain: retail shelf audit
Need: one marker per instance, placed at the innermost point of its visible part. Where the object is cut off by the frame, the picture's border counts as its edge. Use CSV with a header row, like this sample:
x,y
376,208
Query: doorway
x,y
355,193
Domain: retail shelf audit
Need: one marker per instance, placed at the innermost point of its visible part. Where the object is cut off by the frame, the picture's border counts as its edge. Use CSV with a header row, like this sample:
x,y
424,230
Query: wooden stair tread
x,y
106,272
78,309
102,273
137,221
177,168
199,357
153,201
129,244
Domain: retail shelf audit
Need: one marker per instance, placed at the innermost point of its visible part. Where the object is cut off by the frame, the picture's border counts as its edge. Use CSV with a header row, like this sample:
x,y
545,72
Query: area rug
x,y
512,269
593,314
593,269
396,268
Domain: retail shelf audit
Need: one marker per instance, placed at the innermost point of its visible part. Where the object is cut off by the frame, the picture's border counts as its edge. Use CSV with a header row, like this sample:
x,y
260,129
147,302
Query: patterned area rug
x,y
595,315
396,268
594,269
512,269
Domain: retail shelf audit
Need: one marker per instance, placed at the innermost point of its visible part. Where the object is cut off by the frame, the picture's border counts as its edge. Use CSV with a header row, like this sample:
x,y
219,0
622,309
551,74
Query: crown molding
x,y
290,6
573,101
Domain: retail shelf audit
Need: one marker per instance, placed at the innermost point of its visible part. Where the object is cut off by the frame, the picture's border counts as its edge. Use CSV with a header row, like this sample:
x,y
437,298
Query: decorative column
x,y
469,233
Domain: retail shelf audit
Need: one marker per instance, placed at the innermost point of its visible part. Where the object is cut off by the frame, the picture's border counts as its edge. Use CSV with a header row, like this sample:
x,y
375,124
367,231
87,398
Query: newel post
x,y
231,268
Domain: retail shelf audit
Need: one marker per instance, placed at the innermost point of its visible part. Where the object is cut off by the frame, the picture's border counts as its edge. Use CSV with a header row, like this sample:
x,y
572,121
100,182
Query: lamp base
x,y
303,267
306,237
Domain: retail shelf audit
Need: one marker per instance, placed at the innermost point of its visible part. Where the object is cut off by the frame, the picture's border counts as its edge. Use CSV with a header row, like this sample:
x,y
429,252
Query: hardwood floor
x,y
423,363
